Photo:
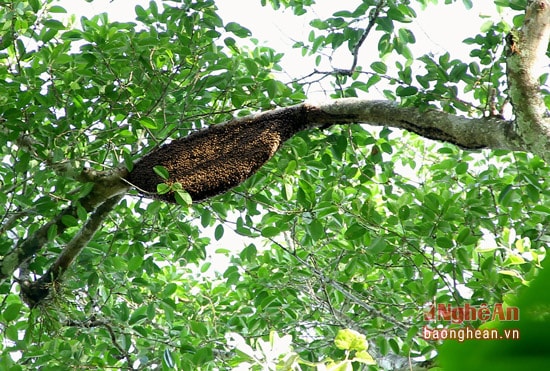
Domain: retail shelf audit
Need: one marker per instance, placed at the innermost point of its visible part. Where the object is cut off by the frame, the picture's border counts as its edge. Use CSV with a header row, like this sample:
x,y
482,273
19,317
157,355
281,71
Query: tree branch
x,y
34,292
468,133
13,219
373,17
106,185
526,54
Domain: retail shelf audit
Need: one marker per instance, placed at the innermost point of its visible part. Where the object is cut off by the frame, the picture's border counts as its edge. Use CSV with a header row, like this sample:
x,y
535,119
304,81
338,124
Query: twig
x,y
372,21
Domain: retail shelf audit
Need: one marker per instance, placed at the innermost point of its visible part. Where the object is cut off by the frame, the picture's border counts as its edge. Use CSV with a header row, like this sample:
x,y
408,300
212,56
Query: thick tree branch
x,y
526,54
34,292
468,133
106,185
222,156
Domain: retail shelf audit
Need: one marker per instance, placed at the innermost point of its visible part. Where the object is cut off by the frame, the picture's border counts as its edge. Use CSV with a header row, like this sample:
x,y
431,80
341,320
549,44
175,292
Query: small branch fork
x,y
93,322
372,21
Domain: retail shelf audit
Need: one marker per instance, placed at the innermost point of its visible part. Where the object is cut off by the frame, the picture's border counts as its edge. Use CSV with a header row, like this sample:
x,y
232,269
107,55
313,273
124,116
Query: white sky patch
x,y
438,29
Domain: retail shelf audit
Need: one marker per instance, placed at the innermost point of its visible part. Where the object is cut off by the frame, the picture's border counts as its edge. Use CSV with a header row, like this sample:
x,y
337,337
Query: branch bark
x,y
526,54
468,133
106,185
34,292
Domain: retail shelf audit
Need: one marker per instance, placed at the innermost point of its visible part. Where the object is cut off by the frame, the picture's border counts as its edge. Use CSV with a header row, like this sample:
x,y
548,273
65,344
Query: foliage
x,y
344,229
525,352
276,354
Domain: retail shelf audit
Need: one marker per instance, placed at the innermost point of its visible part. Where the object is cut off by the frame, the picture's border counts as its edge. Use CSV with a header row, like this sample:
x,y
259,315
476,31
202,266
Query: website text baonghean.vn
x,y
468,333
438,315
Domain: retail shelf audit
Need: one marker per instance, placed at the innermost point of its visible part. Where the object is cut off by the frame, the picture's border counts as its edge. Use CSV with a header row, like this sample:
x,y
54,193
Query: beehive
x,y
211,161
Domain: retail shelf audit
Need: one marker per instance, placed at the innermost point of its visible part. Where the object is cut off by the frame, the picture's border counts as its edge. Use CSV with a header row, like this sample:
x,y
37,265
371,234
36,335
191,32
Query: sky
x,y
442,26
438,29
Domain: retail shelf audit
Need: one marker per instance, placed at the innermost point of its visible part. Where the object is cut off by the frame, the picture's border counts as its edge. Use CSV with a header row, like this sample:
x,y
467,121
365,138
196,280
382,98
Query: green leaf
x,y
54,24
373,80
506,194
249,253
468,4
444,242
12,333
206,217
533,193
69,220
405,35
270,231
364,357
140,12
404,212
48,35
251,66
218,232
378,245
148,123
161,171
153,7
272,88
169,290
138,315
354,232
11,312
81,213
199,328
57,9
231,43
379,67
406,91
135,262
35,5
52,232
461,168
163,188
205,267
183,198
458,72
237,29
316,230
